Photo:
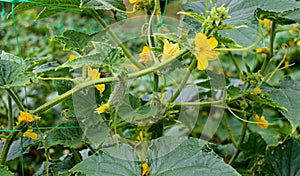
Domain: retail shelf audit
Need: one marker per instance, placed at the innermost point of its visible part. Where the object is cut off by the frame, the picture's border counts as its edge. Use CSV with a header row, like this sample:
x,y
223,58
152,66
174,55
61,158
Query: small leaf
x,y
283,159
15,149
74,40
48,12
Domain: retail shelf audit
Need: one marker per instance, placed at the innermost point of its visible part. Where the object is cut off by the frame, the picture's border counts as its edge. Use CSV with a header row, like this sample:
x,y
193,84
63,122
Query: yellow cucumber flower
x,y
93,74
170,49
102,108
72,56
261,119
266,22
31,134
25,116
145,169
204,50
145,55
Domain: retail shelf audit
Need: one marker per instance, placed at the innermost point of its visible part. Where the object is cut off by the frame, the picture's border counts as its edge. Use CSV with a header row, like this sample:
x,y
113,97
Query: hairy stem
x,y
10,114
115,39
228,128
241,139
184,81
271,46
16,99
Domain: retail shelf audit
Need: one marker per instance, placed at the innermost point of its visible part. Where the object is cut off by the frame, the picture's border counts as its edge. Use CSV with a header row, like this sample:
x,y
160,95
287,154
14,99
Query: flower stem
x,y
184,81
10,114
45,148
230,132
271,46
115,39
16,99
236,65
241,139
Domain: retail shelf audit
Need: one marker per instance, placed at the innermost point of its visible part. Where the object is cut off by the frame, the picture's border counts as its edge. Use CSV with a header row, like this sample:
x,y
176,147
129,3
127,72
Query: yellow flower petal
x,y
261,119
93,73
31,134
100,87
132,1
102,108
145,169
25,116
169,50
72,56
204,50
145,55
257,90
213,42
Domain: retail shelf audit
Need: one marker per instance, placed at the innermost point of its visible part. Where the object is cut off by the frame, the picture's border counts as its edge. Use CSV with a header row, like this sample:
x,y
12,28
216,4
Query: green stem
x,y
16,99
230,132
241,139
208,103
63,79
271,46
155,82
236,65
184,81
76,155
115,39
90,147
8,142
67,94
10,114
45,147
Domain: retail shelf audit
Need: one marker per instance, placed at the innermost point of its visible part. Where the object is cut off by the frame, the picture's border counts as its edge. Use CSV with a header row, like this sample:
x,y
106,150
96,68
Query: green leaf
x,y
274,16
68,134
270,135
15,150
49,66
48,12
166,156
12,73
74,40
119,160
56,6
254,146
288,96
242,13
283,159
4,171
184,156
292,15
105,58
94,4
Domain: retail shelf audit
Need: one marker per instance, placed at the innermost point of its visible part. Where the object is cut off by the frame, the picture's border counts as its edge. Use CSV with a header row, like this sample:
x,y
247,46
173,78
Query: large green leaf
x,y
288,96
68,134
106,164
12,72
74,40
15,149
254,146
4,171
292,15
166,156
94,4
283,159
242,13
185,156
